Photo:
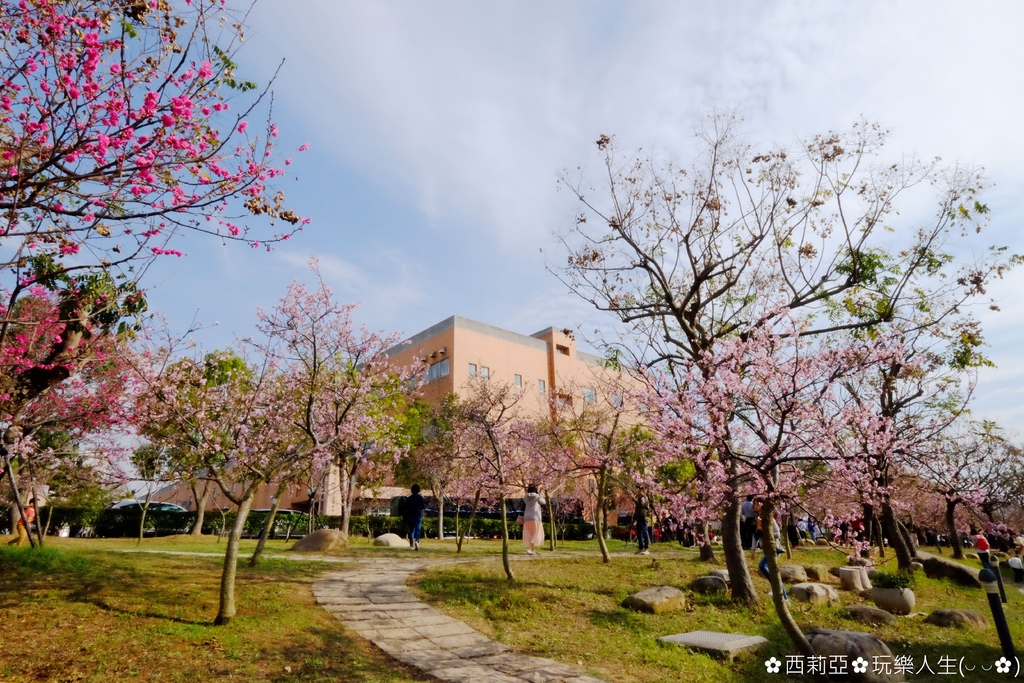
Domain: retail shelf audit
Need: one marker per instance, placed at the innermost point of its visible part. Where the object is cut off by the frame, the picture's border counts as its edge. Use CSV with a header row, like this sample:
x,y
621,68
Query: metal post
x,y
990,583
994,563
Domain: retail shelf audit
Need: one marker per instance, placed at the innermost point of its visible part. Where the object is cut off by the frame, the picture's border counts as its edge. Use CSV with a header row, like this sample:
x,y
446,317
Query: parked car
x,y
285,521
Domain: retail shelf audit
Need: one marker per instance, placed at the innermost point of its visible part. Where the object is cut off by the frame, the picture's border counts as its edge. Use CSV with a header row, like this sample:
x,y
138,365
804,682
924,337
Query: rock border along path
x,y
373,600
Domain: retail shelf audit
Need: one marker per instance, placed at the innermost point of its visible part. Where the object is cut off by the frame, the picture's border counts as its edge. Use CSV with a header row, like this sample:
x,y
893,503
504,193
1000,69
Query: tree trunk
x,y
348,488
740,583
142,517
868,522
469,525
599,521
879,537
227,579
707,552
908,538
504,537
268,527
789,625
786,545
439,495
552,543
201,503
898,543
954,537
16,493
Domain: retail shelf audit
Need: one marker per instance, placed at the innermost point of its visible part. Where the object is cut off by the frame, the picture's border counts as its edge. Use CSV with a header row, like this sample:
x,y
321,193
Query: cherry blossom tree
x,y
694,258
348,392
121,127
241,430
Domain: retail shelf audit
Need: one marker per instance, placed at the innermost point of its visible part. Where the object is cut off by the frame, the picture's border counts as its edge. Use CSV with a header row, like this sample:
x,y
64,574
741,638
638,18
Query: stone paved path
x,y
373,600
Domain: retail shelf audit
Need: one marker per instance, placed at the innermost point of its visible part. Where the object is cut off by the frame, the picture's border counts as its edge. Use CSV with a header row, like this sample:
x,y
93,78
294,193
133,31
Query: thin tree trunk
x,y
16,493
707,552
268,527
201,503
348,487
740,583
469,525
908,538
227,579
954,537
897,541
142,518
789,625
40,532
785,540
599,526
552,543
504,536
868,522
876,533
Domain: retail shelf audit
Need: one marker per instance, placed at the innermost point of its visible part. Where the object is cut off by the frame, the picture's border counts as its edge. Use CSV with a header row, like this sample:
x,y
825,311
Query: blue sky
x,y
438,129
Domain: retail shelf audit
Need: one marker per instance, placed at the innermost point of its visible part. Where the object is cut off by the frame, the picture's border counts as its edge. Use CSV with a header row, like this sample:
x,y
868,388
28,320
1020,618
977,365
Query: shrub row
x,y
111,523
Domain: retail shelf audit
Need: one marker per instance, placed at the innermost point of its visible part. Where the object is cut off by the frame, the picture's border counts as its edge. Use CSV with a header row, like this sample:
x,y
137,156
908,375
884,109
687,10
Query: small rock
x,y
943,568
391,541
872,616
971,556
656,600
916,566
814,593
851,645
709,584
834,571
792,573
720,573
895,600
816,572
959,618
859,561
821,541
322,541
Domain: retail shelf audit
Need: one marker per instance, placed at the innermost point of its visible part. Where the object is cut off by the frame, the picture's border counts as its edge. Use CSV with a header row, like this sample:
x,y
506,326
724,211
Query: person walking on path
x,y
413,515
30,516
640,522
983,548
533,526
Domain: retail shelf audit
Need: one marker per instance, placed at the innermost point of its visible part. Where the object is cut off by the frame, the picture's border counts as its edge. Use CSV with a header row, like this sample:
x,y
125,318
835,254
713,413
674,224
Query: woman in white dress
x,y
533,527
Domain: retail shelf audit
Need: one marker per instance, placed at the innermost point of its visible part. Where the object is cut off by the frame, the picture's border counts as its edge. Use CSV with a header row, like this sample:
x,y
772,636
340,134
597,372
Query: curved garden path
x,y
371,598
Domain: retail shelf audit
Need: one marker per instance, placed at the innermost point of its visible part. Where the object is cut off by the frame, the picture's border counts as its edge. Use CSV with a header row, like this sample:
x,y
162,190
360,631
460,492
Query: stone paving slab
x,y
373,600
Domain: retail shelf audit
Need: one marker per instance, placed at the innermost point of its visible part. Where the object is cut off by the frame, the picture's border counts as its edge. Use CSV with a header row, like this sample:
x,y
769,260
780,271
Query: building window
x,y
564,350
589,395
517,380
485,372
540,386
472,369
438,370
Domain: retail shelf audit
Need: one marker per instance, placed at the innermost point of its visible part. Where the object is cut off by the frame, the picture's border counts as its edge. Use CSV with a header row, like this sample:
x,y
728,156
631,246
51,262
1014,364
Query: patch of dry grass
x,y
88,615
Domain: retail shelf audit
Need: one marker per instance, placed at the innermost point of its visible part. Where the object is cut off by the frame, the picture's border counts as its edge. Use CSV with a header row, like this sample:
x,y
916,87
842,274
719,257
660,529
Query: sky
x,y
438,130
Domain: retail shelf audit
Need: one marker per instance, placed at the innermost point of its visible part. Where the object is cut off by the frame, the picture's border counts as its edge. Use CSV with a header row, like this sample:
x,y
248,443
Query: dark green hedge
x,y
111,523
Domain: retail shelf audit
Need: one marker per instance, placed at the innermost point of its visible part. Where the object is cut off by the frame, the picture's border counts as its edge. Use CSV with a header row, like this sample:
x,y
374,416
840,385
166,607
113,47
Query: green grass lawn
x,y
86,610
568,608
83,611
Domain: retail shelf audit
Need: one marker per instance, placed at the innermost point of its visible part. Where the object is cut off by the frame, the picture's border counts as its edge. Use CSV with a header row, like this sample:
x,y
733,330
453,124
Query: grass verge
x,y
87,614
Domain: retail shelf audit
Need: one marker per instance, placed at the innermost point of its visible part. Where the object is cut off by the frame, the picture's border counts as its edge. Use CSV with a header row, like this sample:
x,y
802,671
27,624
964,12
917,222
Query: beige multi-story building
x,y
543,364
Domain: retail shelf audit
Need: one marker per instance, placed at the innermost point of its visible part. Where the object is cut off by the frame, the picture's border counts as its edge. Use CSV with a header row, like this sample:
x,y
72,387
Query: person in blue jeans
x,y
414,506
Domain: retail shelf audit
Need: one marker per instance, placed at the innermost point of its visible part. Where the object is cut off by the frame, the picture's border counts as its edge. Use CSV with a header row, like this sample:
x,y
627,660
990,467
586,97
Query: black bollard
x,y
994,563
990,583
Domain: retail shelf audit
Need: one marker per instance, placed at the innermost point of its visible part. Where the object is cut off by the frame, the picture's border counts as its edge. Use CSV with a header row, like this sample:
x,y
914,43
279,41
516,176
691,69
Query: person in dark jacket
x,y
413,514
640,520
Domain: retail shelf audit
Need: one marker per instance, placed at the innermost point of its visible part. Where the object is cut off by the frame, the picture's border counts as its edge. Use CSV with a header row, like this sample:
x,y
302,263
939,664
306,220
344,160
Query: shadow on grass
x,y
331,655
